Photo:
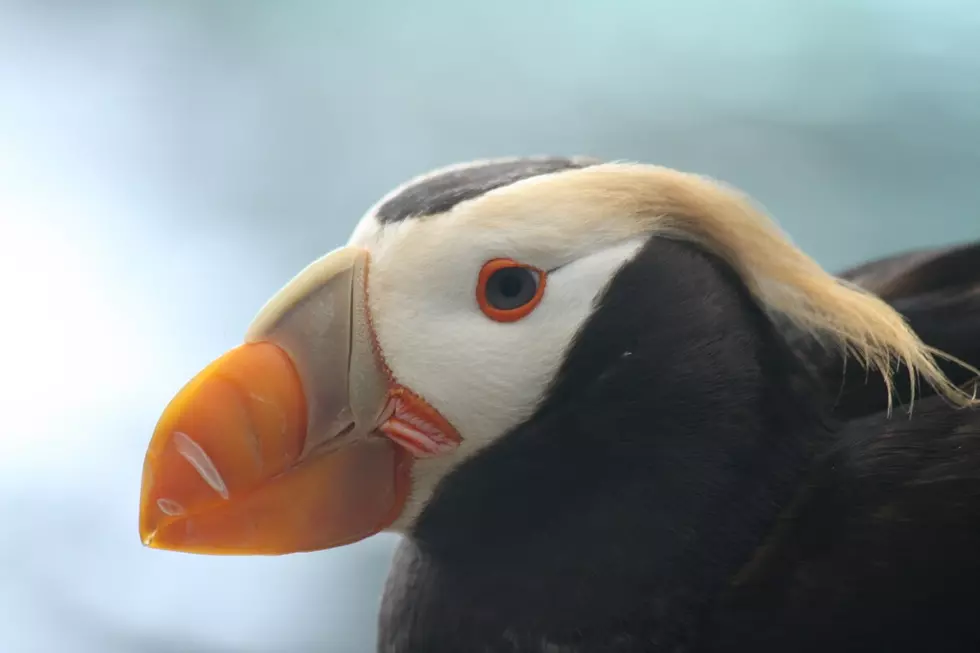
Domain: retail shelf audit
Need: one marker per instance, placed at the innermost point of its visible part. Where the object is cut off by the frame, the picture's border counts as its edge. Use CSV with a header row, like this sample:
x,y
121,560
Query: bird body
x,y
611,409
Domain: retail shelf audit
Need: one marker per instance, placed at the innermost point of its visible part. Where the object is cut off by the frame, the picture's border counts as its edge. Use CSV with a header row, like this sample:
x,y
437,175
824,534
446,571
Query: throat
x,y
594,548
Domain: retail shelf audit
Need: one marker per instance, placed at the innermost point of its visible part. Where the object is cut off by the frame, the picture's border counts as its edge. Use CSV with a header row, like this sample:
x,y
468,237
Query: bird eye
x,y
508,290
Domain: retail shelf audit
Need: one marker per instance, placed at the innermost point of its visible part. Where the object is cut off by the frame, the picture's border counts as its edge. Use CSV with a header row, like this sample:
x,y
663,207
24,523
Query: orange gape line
x,y
417,426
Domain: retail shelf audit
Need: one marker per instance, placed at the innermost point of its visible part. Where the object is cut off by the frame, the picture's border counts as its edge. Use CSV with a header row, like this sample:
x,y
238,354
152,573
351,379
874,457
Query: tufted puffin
x,y
611,408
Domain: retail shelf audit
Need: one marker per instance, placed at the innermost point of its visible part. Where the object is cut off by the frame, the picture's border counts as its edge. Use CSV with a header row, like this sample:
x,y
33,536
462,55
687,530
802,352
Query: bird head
x,y
384,366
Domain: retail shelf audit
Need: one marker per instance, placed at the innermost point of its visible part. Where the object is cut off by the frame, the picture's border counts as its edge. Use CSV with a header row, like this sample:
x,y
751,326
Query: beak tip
x,y
148,536
155,536
148,530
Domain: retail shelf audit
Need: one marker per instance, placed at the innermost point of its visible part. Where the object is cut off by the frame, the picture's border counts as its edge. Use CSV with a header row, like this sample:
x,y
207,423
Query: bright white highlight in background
x,y
166,166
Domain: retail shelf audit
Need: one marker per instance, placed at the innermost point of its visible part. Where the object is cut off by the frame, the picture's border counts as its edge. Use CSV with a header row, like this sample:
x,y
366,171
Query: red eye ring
x,y
507,291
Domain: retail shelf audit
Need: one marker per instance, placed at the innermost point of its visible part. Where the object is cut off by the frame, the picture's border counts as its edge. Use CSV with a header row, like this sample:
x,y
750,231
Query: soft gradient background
x,y
166,166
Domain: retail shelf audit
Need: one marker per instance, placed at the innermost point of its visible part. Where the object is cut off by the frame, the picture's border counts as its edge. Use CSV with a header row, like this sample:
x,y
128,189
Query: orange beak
x,y
298,440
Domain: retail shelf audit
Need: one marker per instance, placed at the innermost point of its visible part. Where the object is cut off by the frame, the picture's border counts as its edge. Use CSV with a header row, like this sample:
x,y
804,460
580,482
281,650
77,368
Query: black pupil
x,y
510,288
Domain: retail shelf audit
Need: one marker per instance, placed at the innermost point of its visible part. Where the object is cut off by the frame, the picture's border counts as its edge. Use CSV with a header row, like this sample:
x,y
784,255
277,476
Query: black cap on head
x,y
439,192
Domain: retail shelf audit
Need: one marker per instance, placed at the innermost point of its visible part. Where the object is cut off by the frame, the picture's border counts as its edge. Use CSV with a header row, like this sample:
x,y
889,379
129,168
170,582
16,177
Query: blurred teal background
x,y
166,166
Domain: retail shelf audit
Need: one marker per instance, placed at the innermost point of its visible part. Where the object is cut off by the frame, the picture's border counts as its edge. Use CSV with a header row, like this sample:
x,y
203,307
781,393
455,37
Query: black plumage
x,y
700,478
441,191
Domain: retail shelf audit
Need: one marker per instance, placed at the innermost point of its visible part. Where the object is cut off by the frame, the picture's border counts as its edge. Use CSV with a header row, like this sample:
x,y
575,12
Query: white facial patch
x,y
484,376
